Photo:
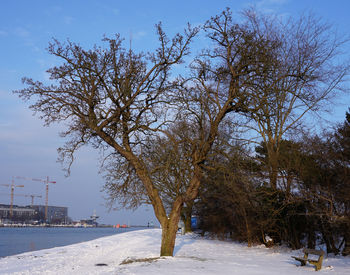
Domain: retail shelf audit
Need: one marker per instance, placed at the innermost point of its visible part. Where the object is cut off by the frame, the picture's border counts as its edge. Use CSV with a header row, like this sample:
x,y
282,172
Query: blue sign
x,y
194,222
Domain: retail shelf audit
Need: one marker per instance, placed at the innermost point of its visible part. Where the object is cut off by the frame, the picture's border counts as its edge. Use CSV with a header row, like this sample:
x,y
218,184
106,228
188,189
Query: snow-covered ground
x,y
193,255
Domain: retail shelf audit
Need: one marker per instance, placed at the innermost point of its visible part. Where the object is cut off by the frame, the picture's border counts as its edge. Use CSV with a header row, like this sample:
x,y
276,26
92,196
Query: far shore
x,y
72,226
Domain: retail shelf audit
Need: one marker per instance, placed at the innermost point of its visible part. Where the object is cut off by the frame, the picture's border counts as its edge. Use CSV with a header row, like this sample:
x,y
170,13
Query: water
x,y
18,240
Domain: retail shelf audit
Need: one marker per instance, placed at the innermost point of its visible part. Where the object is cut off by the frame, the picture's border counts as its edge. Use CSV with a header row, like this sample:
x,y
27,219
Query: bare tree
x,y
218,87
113,98
120,101
168,162
300,73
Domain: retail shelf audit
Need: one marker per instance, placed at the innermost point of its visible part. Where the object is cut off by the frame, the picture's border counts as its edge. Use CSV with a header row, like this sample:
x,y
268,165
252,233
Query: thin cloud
x,y
140,34
53,10
136,35
271,2
25,128
22,32
68,20
267,6
28,39
5,124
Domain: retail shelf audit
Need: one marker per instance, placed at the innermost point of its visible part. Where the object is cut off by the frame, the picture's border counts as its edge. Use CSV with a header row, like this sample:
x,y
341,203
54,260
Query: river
x,y
15,240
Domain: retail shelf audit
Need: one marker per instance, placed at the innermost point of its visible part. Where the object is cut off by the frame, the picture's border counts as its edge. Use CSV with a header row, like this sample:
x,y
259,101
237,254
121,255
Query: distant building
x,y
19,213
92,221
55,214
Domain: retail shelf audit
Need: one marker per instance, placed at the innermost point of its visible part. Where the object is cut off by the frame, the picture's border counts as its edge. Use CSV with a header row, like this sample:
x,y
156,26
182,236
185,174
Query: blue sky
x,y
26,27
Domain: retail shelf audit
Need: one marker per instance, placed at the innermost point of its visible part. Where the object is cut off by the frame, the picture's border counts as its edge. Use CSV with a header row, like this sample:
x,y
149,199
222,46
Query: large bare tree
x,y
112,98
118,100
169,164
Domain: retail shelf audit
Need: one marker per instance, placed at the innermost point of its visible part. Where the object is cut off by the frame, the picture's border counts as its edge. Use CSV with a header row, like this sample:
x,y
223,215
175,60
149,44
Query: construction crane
x,y
24,195
33,196
46,181
12,186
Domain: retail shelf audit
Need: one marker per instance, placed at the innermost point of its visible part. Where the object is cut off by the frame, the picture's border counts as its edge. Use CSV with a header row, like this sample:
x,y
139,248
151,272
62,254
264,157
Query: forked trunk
x,y
169,229
169,235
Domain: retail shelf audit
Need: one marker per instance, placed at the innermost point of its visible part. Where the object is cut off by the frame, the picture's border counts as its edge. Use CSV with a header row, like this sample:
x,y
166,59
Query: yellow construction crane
x,y
23,195
12,186
46,181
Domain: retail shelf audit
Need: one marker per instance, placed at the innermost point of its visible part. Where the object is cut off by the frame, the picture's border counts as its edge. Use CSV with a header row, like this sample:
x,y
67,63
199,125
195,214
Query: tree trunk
x,y
273,174
295,237
346,250
311,239
168,239
289,184
247,227
169,229
249,234
188,216
169,224
328,238
273,156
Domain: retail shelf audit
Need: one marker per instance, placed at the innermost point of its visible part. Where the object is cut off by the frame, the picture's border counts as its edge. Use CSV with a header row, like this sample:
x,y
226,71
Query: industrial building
x,y
16,213
56,214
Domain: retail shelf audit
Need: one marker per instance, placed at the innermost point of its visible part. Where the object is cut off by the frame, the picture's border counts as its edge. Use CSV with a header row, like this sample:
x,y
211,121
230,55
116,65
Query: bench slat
x,y
314,251
316,263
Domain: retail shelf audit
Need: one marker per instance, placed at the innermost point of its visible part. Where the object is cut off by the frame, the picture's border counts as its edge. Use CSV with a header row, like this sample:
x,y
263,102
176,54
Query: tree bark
x,y
169,224
168,239
273,171
346,250
169,229
328,238
188,216
311,239
273,158
249,234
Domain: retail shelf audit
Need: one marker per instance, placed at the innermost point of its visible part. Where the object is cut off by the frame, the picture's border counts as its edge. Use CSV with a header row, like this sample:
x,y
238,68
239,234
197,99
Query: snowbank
x,y
193,255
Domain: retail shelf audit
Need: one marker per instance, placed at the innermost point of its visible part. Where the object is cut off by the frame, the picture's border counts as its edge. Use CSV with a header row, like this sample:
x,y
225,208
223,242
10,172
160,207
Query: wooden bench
x,y
305,259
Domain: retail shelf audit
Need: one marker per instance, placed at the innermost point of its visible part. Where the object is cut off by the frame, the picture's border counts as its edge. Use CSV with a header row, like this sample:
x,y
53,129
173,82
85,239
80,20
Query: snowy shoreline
x,y
193,255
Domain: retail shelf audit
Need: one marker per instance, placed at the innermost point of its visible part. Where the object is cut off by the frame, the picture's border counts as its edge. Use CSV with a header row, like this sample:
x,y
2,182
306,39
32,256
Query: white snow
x,y
193,255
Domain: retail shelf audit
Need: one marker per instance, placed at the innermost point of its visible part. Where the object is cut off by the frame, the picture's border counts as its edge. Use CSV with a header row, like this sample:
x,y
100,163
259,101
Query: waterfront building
x,y
55,214
19,213
29,214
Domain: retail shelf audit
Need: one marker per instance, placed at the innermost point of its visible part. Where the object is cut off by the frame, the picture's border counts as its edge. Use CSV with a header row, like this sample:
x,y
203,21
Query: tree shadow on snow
x,y
181,242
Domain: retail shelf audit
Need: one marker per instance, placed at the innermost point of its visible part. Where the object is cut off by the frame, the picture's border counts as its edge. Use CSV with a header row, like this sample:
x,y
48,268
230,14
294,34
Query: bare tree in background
x,y
302,70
